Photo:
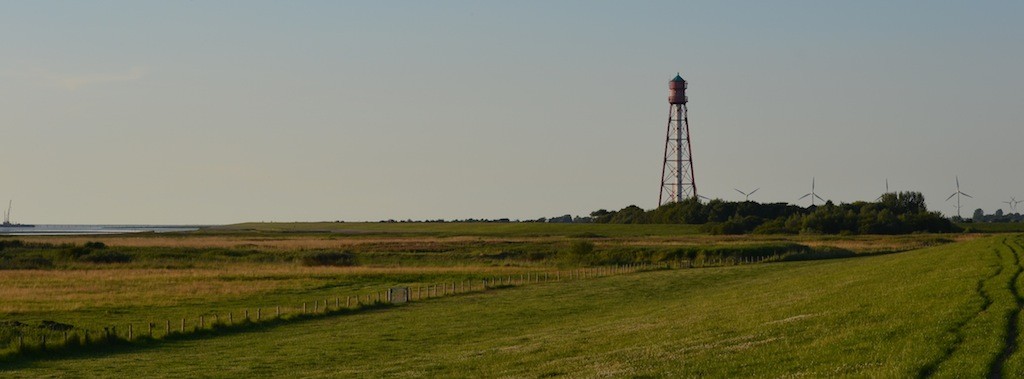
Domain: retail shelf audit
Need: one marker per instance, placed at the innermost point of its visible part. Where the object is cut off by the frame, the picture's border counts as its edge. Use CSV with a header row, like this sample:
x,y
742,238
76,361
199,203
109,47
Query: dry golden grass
x,y
280,243
886,243
70,290
868,243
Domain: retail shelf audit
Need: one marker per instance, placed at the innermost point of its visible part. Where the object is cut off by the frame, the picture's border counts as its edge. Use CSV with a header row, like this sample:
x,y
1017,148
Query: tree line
x,y
893,213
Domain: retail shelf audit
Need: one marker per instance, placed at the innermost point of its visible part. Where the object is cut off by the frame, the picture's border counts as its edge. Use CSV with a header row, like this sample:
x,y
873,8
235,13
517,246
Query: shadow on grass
x,y
84,347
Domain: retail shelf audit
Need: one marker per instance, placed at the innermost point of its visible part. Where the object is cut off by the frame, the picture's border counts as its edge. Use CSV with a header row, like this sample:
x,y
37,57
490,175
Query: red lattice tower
x,y
677,183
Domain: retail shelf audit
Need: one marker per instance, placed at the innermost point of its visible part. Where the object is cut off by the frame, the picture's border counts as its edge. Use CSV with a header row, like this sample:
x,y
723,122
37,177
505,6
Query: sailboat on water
x,y
7,219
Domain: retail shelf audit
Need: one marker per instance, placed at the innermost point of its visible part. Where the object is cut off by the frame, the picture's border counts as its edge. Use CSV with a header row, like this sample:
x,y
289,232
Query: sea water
x,y
66,230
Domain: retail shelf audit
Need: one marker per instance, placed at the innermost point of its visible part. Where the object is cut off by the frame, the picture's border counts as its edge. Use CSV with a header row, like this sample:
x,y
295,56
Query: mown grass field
x,y
947,311
943,309
156,278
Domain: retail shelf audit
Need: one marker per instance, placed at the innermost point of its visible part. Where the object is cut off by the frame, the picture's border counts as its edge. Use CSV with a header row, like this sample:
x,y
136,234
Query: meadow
x,y
945,305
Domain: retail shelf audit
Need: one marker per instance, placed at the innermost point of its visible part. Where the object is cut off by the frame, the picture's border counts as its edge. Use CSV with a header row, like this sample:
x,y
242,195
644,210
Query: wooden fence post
x,y
278,311
303,308
183,325
259,314
168,331
151,330
348,302
202,322
130,332
231,318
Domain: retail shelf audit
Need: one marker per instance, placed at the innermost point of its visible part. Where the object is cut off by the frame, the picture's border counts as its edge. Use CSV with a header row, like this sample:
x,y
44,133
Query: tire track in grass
x,y
986,301
1012,324
1015,361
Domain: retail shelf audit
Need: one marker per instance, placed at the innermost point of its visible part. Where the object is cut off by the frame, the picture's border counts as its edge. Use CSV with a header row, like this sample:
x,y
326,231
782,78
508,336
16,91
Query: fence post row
x,y
453,288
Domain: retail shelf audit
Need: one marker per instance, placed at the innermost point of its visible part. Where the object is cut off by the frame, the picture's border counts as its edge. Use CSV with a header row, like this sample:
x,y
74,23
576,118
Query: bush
x,y
32,262
75,253
10,243
106,257
55,326
329,258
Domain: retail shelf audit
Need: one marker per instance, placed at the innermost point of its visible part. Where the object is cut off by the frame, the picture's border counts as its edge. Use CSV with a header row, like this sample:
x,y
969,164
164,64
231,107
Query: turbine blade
x,y
951,196
802,197
752,192
819,197
744,194
966,195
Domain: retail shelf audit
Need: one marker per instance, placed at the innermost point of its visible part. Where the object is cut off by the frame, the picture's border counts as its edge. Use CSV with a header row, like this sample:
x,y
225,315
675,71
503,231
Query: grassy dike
x,y
950,310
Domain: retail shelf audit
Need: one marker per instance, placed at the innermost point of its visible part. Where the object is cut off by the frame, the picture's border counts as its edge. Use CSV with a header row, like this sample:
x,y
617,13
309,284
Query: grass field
x,y
994,227
493,229
942,309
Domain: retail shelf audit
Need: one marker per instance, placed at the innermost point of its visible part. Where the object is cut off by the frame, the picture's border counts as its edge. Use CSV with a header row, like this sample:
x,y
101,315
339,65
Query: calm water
x,y
65,230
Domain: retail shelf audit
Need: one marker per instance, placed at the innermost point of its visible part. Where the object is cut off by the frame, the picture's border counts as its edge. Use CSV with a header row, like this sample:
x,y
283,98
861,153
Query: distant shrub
x,y
106,257
581,248
578,252
824,252
329,258
10,243
56,326
586,235
535,256
95,245
75,253
31,262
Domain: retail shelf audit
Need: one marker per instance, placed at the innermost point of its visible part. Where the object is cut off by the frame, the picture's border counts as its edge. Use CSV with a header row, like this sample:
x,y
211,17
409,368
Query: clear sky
x,y
221,112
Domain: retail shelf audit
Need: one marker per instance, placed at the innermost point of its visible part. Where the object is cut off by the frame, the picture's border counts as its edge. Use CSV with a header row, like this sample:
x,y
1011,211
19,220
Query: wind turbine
x,y
812,194
957,194
886,190
1013,204
747,194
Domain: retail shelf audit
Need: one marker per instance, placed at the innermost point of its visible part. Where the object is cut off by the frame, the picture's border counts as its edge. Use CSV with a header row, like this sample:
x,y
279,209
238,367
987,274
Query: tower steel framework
x,y
677,181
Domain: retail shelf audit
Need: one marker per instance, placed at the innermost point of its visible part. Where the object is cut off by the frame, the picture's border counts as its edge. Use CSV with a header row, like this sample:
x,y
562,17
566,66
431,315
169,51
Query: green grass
x,y
994,227
944,311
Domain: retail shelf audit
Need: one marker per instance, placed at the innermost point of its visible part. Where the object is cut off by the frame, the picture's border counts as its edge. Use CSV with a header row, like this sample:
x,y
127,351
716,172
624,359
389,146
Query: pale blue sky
x,y
219,112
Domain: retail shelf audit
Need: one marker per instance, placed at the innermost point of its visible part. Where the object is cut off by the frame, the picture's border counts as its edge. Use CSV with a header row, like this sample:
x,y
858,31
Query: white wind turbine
x,y
958,193
747,194
813,195
886,190
1013,204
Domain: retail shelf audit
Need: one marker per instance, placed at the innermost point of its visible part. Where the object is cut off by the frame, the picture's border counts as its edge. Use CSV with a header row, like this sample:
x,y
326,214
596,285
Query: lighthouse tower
x,y
677,183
